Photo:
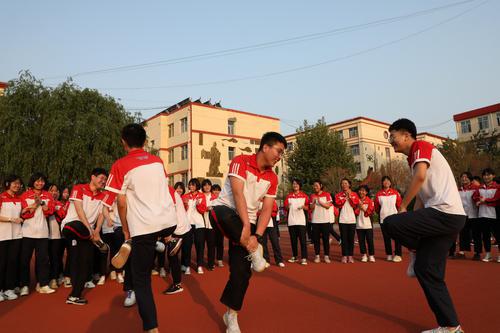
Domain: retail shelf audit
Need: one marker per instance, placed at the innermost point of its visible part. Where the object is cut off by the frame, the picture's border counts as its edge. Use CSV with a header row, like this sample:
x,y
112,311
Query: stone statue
x,y
214,156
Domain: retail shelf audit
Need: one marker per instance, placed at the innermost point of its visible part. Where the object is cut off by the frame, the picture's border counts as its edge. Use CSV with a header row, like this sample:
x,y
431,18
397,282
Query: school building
x,y
485,120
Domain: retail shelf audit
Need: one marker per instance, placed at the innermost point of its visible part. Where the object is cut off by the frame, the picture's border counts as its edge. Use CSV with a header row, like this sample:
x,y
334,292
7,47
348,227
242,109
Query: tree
x,y
64,131
319,153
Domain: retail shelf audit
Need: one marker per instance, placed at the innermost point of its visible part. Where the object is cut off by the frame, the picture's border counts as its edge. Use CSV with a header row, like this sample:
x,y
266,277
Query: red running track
x,y
360,297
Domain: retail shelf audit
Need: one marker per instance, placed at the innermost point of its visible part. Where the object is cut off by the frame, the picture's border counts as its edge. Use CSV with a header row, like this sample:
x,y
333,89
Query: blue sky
x,y
451,68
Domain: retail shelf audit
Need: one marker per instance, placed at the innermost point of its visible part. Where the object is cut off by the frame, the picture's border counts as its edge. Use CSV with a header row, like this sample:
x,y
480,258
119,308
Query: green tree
x,y
319,153
64,131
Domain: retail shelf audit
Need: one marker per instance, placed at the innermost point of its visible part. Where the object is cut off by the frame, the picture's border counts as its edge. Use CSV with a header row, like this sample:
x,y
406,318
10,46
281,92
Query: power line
x,y
265,45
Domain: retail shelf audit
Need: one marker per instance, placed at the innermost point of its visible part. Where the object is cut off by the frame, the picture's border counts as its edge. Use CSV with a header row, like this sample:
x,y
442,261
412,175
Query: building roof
x,y
477,112
3,85
433,135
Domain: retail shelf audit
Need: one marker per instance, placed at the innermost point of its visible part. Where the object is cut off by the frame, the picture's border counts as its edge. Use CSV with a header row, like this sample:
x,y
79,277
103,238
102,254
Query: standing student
x,y
10,237
364,227
196,205
188,239
347,202
250,179
430,229
296,203
65,193
487,197
219,237
37,206
206,186
271,233
466,192
387,202
56,243
146,211
82,226
321,207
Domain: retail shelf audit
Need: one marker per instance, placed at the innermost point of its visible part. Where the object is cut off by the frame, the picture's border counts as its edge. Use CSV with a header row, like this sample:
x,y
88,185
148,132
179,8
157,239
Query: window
x,y
341,134
171,180
465,126
483,123
171,156
170,130
230,153
355,150
498,118
230,126
388,153
353,132
184,125
185,178
358,167
184,153
255,142
289,146
200,139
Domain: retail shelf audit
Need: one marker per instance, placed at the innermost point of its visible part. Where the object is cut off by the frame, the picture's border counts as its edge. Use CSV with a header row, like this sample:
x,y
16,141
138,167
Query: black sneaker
x,y
76,300
173,289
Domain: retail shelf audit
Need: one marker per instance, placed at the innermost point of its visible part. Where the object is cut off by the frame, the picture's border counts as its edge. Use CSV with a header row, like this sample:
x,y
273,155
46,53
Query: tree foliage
x,y
64,132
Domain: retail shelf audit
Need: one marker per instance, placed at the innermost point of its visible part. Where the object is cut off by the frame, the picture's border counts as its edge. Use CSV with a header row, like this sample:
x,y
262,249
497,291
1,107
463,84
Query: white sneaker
x,y
67,282
119,278
303,262
89,285
411,269
327,260
281,264
112,275
163,272
183,268
200,270
498,259
46,290
10,295
129,299
101,280
397,259
364,258
220,263
231,321
187,271
371,258
457,329
2,298
160,247
317,260
258,261
24,291
487,257
292,260
389,258
268,265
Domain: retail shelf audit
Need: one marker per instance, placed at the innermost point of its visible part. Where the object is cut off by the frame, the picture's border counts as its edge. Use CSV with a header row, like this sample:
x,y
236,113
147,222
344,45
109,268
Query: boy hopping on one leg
x,y
431,228
234,212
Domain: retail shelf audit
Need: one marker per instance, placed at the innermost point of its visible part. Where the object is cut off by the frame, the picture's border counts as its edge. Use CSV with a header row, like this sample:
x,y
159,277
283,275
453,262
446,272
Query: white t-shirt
x,y
35,225
321,214
295,204
10,206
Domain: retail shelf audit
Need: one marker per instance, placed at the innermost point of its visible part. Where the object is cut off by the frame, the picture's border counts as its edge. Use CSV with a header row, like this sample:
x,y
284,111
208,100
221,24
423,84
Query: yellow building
x,y
485,120
196,139
3,86
367,140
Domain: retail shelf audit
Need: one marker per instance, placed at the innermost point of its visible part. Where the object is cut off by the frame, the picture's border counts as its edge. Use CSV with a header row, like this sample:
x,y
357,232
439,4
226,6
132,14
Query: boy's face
x,y
400,141
99,181
272,154
362,192
39,184
465,180
488,177
316,187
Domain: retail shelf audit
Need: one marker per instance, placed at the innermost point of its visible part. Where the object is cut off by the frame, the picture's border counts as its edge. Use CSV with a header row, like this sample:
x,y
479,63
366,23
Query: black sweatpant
x,y
298,234
481,232
321,231
187,245
347,232
199,244
388,244
67,260
219,244
141,264
272,234
334,233
56,252
231,226
210,240
12,275
174,263
464,238
431,233
42,268
4,255
82,259
365,236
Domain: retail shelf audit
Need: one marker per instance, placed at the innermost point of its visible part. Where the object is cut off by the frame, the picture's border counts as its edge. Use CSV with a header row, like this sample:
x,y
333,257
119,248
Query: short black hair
x,y
134,135
36,176
347,180
467,174
477,179
319,182
271,138
488,171
50,185
10,179
298,181
216,187
205,182
404,124
195,182
365,187
386,178
99,171
181,185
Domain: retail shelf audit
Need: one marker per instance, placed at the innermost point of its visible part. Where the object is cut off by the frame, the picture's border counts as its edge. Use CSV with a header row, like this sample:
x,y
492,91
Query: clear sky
x,y
426,67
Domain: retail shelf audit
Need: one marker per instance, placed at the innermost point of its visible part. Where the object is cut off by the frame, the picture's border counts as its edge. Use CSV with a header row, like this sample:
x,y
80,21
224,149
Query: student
x,y
219,237
37,206
347,202
364,227
56,243
234,212
146,211
82,226
431,228
67,243
206,186
10,237
188,239
321,204
296,203
387,202
196,205
466,192
272,233
487,197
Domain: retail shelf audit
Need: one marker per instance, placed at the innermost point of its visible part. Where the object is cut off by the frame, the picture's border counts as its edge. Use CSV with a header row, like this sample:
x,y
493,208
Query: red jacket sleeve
x,y
51,205
286,201
339,200
336,211
201,205
377,202
371,208
24,204
475,196
353,200
399,200
493,201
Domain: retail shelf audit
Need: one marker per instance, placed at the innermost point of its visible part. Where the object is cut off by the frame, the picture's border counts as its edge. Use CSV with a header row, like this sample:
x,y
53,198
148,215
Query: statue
x,y
214,156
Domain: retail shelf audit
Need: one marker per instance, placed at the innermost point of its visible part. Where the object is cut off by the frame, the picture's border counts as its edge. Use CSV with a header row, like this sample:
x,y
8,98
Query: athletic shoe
x,y
350,259
67,282
268,265
60,280
487,257
457,329
160,247
101,280
176,242
119,278
344,260
187,271
2,298
231,321
317,260
183,268
364,258
410,271
10,295
292,260
303,262
154,272
476,257
76,300
397,259
53,284
112,275
122,255
389,258
174,289
258,261
163,272
17,290
371,259
220,263
498,259
327,260
129,299
200,270
24,291
89,285
281,264
46,290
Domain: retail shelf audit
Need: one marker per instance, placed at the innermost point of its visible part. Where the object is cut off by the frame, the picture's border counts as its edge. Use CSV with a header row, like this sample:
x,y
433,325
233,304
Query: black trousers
x,y
174,263
334,233
365,236
298,234
210,240
229,223
321,231
219,244
464,238
42,268
431,233
56,253
199,244
4,255
82,259
186,247
272,234
347,232
309,230
12,257
388,244
481,232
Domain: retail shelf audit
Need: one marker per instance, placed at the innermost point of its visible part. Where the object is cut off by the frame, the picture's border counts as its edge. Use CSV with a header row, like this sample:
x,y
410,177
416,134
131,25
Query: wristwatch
x,y
260,239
